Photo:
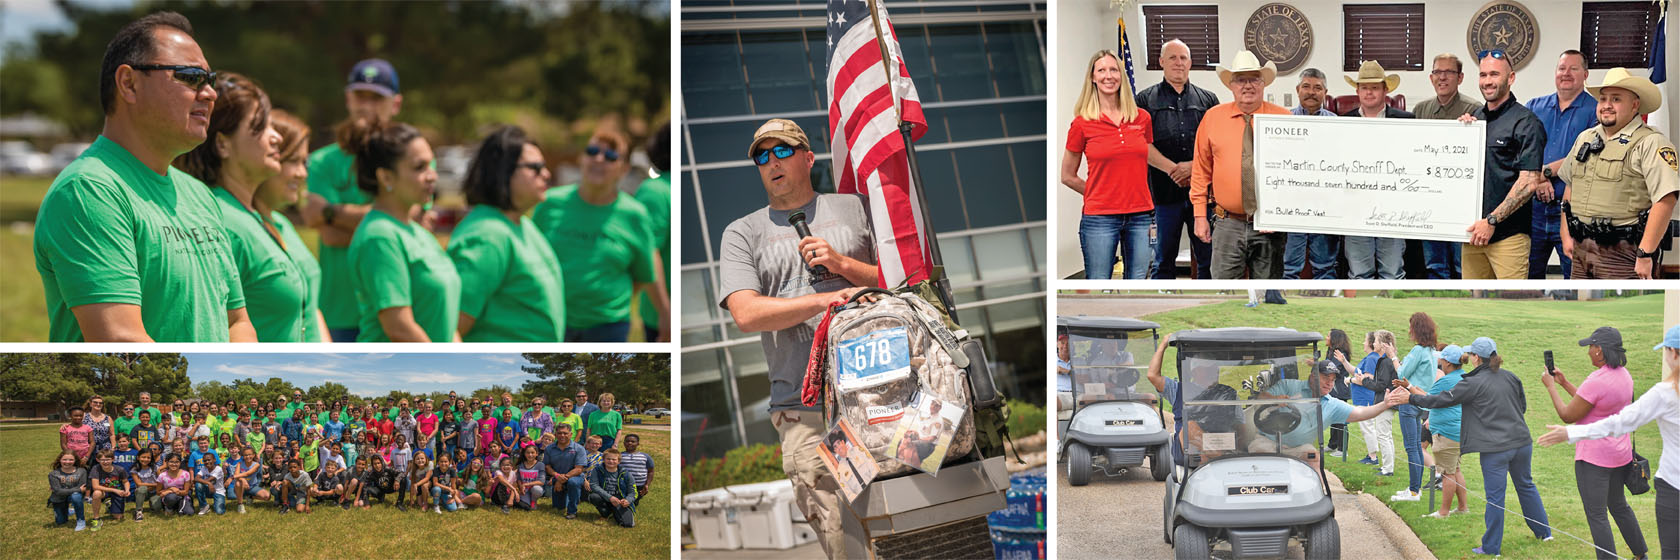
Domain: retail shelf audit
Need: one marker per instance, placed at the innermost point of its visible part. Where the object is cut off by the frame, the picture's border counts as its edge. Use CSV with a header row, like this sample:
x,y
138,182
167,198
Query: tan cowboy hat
x,y
1650,98
1371,73
1246,62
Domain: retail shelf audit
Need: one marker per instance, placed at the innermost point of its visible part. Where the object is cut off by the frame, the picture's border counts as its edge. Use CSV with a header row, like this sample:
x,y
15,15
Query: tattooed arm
x,y
1527,182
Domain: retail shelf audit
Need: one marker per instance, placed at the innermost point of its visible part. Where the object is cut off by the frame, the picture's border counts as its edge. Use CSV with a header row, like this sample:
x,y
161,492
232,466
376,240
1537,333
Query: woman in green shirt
x,y
240,152
406,286
284,191
606,423
510,279
569,418
604,241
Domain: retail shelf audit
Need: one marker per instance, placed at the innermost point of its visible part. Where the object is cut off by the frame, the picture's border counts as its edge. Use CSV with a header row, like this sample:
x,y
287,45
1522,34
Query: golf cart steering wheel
x,y
1277,419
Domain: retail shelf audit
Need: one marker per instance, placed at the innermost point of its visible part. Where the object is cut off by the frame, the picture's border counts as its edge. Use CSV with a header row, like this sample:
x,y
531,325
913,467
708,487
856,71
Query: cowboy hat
x,y
1370,72
1649,97
1246,62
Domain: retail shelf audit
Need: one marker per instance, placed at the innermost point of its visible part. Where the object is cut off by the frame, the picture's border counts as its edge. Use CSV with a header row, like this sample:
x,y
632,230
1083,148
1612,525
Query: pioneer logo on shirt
x,y
195,239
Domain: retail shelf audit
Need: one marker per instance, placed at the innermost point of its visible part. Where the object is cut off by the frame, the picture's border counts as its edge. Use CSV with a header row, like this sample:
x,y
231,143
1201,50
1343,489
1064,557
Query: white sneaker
x,y
241,508
438,509
1336,453
1404,496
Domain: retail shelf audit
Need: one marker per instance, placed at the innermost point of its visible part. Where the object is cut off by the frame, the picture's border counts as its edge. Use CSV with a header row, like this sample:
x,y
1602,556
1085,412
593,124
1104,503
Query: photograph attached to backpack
x,y
846,456
924,434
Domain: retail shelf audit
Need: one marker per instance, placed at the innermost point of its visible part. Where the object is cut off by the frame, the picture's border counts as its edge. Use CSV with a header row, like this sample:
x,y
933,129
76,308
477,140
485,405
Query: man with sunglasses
x,y
130,249
335,206
778,282
1621,181
1516,141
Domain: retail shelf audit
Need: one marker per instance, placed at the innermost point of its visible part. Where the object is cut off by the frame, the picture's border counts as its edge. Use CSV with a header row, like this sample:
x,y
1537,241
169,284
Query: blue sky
x,y
366,374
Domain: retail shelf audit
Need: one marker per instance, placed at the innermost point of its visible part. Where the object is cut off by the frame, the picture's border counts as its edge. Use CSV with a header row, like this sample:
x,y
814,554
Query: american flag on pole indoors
x,y
864,109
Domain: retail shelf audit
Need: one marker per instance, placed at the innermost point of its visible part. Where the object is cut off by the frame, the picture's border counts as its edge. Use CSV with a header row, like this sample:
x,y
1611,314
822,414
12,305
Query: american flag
x,y
864,109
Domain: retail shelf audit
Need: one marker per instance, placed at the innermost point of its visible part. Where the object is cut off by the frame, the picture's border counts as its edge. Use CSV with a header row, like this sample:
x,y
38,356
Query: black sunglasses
x,y
193,76
535,166
782,152
596,150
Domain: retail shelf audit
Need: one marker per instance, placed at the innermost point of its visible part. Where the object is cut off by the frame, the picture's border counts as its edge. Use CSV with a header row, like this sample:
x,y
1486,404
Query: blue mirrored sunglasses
x,y
596,150
1496,53
763,156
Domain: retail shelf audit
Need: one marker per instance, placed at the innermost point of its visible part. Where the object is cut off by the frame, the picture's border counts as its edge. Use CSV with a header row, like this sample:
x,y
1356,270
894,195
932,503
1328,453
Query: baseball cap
x,y
780,129
1603,336
1453,354
1483,347
1670,340
375,75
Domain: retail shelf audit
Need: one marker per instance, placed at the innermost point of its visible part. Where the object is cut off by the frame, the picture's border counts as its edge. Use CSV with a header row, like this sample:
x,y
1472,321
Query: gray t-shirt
x,y
760,253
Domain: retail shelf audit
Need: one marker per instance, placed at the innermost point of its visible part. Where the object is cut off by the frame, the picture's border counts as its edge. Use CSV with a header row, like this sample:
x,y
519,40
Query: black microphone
x,y
797,220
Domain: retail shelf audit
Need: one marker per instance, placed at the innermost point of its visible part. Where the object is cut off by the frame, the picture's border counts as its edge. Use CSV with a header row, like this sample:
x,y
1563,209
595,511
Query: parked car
x,y
657,412
63,154
20,158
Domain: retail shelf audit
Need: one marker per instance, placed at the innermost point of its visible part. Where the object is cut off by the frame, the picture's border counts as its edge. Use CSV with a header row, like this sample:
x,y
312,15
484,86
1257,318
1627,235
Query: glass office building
x,y
979,69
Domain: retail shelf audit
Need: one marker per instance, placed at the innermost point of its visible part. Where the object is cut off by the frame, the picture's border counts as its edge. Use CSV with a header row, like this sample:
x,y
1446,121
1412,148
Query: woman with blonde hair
x,y
1112,136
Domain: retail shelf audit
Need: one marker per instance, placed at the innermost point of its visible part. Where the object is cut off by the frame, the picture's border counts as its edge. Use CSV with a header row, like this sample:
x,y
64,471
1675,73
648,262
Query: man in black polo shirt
x,y
1516,142
1175,108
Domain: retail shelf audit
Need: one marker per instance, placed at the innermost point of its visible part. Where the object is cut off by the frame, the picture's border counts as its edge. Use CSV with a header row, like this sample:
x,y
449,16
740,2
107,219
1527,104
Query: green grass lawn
x,y
24,303
649,420
1523,329
381,532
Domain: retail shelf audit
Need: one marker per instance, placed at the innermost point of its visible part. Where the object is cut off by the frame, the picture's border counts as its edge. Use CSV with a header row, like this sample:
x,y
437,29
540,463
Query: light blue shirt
x,y
1321,112
1446,421
1418,367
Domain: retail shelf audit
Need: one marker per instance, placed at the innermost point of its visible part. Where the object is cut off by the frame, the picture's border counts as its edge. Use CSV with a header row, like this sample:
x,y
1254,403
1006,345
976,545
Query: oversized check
x,y
1407,178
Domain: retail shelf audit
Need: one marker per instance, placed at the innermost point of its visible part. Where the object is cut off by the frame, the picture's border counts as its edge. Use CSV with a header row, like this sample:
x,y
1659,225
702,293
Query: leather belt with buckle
x,y
1222,213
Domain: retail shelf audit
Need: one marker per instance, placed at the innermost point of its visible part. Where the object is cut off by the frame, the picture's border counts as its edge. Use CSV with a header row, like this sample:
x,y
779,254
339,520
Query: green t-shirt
x,y
402,265
573,420
287,411
110,230
311,268
256,439
604,251
157,416
124,424
311,460
332,175
510,280
605,423
497,413
276,290
655,194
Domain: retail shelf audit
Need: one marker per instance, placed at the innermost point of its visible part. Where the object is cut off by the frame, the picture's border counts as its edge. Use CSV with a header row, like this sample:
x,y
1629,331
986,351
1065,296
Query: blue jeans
x,y
203,494
1410,431
1376,257
1544,238
1442,259
1170,222
1133,234
609,332
437,499
1494,466
567,498
61,511
1322,250
344,335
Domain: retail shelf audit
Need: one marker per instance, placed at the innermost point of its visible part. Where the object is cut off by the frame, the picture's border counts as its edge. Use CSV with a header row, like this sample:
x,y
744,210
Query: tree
x,y
72,379
636,379
493,392
329,392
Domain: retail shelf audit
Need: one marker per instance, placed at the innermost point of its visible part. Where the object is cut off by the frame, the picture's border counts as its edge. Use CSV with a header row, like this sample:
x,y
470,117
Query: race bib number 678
x,y
874,358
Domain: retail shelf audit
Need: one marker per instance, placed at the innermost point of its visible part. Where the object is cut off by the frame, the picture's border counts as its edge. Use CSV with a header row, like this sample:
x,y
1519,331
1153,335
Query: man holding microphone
x,y
781,267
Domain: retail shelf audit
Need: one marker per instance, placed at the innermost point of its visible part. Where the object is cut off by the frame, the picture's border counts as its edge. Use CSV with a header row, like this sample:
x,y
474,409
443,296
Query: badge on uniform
x,y
1667,153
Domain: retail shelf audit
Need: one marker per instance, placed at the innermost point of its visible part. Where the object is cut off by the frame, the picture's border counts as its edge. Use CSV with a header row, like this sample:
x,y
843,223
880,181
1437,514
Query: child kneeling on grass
x,y
613,491
329,486
294,494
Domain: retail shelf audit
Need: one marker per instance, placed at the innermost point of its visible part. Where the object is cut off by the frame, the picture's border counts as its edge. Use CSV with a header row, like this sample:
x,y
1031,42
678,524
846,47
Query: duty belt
x,y
1600,230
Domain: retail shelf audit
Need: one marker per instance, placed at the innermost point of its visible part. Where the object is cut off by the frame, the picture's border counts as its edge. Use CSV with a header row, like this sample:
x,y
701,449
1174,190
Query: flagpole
x,y
936,272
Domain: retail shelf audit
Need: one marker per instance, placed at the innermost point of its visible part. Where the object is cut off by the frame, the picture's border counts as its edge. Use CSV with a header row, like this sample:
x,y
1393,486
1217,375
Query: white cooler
x,y
766,514
713,519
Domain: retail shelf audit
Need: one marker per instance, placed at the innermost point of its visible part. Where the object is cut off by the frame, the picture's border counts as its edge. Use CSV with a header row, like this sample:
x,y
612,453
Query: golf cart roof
x,y
1092,326
1246,335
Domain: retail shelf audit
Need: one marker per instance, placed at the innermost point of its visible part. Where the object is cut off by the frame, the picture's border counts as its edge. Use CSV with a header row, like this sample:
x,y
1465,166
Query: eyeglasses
x,y
1443,72
535,166
596,150
782,152
192,76
1246,80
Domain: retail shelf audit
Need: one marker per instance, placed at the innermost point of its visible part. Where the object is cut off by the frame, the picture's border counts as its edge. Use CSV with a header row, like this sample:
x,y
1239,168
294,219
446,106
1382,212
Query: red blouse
x,y
1116,163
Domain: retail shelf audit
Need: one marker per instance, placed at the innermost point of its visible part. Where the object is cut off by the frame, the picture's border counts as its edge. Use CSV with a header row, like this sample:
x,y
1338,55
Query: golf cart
x,y
1248,452
1109,415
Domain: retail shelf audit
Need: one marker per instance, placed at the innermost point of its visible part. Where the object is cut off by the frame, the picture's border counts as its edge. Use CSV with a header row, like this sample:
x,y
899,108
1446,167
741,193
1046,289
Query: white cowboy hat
x,y
1370,72
1650,98
1246,62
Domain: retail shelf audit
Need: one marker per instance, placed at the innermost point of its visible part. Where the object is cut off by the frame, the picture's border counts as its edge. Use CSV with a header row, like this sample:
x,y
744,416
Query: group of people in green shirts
x,y
298,456
173,225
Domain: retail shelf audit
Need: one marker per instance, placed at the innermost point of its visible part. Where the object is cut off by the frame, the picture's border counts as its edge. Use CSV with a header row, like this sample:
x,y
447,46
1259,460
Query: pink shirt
x,y
1608,389
427,423
78,440
179,481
